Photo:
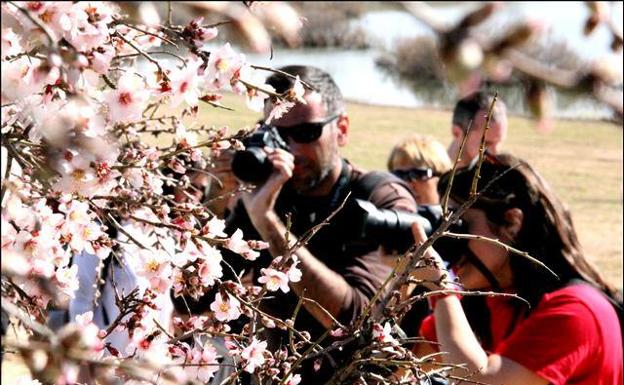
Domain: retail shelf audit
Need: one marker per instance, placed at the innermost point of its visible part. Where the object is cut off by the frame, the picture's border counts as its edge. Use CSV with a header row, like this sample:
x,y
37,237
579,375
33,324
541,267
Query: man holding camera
x,y
308,182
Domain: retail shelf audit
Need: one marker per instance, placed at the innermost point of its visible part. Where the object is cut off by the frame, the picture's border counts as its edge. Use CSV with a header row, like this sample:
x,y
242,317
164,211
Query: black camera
x,y
392,228
252,164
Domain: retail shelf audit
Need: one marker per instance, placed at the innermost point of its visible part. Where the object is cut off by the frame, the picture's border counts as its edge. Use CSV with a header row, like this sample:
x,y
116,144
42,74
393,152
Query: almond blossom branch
x,y
119,22
305,84
37,22
486,127
447,192
144,54
504,246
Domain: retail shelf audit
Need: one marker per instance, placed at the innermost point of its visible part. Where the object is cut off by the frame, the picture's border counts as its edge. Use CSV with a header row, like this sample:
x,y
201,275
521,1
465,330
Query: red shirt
x,y
573,337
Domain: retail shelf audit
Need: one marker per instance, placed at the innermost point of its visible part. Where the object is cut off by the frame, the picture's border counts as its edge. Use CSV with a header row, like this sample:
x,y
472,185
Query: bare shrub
x,y
328,24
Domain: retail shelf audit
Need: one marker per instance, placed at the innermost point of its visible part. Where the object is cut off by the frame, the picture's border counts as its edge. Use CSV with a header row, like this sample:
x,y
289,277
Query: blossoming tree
x,y
77,104
83,89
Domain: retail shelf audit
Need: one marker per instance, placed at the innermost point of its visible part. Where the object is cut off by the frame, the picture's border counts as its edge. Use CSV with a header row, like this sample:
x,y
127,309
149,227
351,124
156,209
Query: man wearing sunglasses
x,y
308,183
470,112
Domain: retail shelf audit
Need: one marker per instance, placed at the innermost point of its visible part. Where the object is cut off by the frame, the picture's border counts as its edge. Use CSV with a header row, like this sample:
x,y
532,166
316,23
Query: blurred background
x,y
381,54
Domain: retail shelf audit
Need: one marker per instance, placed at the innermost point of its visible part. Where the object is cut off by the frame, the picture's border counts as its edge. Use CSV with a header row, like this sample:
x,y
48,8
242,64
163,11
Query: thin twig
x,y
169,13
37,22
503,245
305,84
148,33
447,192
486,127
144,54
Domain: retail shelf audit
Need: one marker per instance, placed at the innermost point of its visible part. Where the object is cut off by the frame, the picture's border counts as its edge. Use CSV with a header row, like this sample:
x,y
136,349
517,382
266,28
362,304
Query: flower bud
x,y
463,60
478,16
268,323
591,24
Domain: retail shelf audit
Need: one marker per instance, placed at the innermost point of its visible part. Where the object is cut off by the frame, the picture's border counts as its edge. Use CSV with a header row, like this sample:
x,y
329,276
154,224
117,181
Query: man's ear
x,y
513,222
456,131
343,125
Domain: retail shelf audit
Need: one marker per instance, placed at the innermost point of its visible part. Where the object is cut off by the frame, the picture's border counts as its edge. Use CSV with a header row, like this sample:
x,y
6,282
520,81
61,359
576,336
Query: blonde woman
x,y
420,160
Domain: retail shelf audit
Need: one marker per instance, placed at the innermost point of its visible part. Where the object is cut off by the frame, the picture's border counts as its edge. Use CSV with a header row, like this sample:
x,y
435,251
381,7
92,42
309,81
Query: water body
x,y
362,81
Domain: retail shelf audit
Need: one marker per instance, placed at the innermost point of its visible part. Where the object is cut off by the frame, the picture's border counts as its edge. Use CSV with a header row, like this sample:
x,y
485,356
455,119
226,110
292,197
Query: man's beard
x,y
311,179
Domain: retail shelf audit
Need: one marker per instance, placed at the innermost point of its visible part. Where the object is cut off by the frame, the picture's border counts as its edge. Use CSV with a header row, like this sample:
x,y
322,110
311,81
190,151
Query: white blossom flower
x,y
294,273
383,335
214,228
292,379
253,354
10,43
255,97
184,83
210,267
67,279
222,65
226,310
237,244
127,102
203,362
274,280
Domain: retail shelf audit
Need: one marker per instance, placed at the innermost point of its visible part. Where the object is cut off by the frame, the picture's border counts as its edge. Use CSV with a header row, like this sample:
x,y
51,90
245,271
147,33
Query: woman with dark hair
x,y
570,333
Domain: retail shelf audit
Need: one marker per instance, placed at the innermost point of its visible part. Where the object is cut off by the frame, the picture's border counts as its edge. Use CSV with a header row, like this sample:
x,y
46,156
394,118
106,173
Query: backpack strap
x,y
363,187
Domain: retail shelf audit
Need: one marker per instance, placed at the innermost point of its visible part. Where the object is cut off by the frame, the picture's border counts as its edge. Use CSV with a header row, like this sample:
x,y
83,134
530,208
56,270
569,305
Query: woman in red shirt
x,y
570,334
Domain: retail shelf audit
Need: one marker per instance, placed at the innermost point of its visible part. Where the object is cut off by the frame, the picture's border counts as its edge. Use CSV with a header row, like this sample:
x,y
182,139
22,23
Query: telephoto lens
x,y
393,228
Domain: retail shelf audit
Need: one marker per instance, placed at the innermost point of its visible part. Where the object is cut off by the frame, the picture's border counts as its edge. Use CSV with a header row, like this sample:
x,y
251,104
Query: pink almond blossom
x,y
222,65
253,354
236,244
127,102
204,359
184,83
274,280
292,379
226,310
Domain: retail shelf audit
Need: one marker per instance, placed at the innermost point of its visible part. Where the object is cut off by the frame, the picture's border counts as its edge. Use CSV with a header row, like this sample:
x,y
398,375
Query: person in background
x,y
470,112
570,333
420,160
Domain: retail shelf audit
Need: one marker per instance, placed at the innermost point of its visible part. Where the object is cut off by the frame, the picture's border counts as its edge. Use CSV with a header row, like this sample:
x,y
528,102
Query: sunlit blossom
x,y
274,280
126,103
222,65
253,354
225,309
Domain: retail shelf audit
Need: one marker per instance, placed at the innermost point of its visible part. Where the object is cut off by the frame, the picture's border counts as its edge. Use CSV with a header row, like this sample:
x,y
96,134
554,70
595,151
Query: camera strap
x,y
476,262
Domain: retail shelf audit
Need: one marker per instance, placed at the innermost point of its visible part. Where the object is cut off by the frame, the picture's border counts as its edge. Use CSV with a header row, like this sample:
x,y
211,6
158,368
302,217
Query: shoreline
x,y
509,113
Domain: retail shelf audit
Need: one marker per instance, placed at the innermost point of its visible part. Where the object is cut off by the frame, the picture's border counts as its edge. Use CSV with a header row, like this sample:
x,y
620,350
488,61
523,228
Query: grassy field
x,y
582,160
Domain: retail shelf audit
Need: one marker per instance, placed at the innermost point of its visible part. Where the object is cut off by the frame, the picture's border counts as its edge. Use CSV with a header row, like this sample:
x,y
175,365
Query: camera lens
x,y
251,165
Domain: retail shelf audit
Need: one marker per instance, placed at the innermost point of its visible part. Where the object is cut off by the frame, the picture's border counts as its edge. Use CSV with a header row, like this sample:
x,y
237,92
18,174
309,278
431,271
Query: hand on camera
x,y
261,201
430,270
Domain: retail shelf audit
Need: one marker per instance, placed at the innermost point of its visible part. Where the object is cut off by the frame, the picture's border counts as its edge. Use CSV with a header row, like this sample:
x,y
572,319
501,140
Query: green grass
x,y
582,160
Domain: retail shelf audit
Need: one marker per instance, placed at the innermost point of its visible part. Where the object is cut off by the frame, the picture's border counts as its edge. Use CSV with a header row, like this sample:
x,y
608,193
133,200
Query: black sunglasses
x,y
415,174
305,132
